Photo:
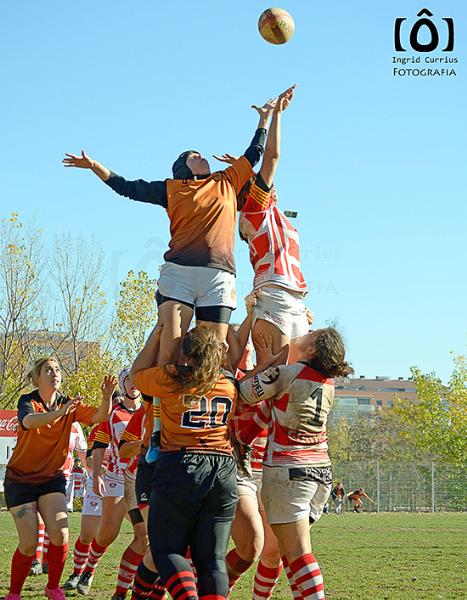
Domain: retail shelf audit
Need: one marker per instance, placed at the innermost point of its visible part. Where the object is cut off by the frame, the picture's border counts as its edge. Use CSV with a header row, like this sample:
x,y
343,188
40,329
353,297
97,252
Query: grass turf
x,y
367,556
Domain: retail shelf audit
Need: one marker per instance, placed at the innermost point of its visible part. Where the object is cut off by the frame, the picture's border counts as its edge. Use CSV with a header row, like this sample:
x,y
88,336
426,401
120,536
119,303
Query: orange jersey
x,y
202,217
197,426
40,453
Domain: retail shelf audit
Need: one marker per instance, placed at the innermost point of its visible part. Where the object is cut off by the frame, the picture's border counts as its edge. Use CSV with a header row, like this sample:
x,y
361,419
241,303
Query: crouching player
x,y
296,467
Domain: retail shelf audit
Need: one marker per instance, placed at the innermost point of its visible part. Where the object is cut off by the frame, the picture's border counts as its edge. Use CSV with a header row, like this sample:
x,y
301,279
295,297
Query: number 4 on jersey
x,y
210,413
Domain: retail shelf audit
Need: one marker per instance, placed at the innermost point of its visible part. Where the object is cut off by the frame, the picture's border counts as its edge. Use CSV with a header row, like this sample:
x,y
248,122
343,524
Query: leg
x,y
270,566
295,546
175,318
53,510
88,531
26,522
280,342
247,533
113,513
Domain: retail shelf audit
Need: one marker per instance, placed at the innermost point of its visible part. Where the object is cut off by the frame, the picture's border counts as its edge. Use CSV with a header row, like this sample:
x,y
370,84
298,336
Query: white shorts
x,y
251,486
197,286
114,485
289,500
92,504
283,308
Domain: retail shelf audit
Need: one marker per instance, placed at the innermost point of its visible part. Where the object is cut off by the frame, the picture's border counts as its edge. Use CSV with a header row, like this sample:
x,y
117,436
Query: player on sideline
x,y
296,467
199,271
111,485
34,479
194,493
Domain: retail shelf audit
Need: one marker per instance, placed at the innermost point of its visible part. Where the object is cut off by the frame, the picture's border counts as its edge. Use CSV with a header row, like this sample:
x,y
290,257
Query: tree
x,y
135,314
437,423
79,311
21,267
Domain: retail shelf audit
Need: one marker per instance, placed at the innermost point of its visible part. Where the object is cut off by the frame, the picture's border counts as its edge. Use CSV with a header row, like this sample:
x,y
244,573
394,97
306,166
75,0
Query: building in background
x,y
365,397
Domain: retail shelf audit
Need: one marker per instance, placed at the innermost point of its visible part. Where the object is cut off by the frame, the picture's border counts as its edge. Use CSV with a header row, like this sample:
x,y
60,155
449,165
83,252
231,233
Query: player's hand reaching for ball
x,y
81,162
285,99
266,109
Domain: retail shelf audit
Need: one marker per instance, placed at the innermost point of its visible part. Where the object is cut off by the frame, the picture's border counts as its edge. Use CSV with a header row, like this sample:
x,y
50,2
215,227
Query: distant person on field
x,y
338,497
356,499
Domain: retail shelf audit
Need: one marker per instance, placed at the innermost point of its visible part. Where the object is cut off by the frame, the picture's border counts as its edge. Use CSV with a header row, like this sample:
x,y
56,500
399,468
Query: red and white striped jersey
x,y
79,478
300,400
108,434
77,442
272,240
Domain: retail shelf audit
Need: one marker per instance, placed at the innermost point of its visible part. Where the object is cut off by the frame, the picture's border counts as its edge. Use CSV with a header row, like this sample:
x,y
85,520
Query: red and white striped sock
x,y
96,552
265,581
128,564
45,552
307,575
40,541
236,566
80,556
293,586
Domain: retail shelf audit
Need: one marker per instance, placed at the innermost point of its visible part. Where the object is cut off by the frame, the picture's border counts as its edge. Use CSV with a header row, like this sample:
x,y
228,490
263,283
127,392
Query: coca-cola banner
x,y
8,423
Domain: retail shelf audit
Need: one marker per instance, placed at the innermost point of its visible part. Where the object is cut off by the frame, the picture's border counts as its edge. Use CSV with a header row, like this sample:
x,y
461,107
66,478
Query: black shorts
x,y
17,492
192,502
143,482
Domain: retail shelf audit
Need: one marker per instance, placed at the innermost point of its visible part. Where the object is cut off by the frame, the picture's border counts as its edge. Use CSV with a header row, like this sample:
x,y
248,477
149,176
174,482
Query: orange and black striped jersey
x,y
197,426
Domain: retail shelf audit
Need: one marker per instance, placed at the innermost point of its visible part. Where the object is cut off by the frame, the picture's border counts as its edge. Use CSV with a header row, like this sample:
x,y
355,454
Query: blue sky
x,y
374,164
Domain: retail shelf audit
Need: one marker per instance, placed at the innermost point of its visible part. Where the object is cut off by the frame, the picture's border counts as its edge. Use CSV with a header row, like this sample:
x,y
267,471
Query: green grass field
x,y
374,557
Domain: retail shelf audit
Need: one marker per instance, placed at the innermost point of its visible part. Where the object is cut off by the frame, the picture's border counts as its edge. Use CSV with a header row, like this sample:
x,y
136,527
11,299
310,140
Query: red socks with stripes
x,y
307,577
20,565
128,564
265,581
80,556
96,552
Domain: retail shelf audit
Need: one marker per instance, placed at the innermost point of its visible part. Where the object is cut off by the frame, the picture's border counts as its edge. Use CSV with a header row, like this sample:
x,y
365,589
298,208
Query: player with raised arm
x,y
296,467
199,271
34,480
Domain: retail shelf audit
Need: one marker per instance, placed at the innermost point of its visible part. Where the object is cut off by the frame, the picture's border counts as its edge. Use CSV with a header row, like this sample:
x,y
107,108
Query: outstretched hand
x,y
81,162
285,99
230,159
108,386
267,109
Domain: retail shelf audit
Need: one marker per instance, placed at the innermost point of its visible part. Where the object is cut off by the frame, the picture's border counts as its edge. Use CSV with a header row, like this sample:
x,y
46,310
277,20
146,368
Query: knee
x,y
59,537
28,547
250,548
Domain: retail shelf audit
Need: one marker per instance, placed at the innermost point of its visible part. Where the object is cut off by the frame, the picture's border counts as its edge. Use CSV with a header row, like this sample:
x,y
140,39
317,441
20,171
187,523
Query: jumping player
x,y
34,479
194,486
278,284
296,467
199,271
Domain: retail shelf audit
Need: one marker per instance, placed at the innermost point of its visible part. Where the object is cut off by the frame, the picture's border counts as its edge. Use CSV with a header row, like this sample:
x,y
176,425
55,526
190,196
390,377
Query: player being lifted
x,y
199,271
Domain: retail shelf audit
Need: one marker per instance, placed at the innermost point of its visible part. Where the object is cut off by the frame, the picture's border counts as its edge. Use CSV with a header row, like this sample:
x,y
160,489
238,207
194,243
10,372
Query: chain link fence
x,y
417,487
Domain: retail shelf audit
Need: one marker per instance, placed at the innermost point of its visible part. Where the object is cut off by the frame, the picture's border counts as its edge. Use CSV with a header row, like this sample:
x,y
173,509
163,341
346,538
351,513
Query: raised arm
x,y
153,192
256,148
273,144
147,358
103,410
